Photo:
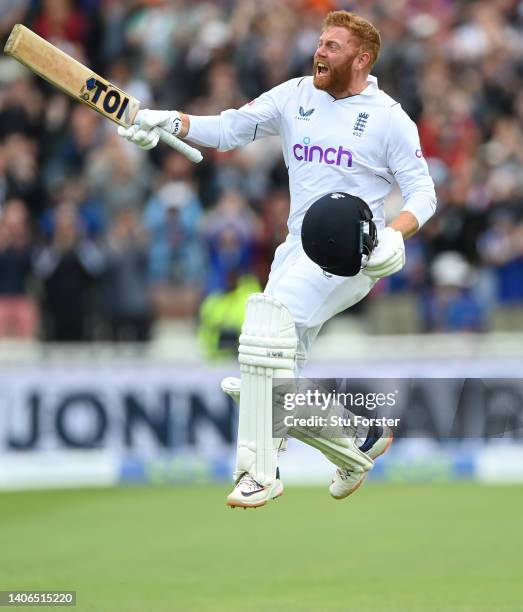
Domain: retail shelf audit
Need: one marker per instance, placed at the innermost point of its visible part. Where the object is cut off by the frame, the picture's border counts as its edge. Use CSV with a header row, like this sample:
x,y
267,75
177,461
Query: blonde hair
x,y
360,27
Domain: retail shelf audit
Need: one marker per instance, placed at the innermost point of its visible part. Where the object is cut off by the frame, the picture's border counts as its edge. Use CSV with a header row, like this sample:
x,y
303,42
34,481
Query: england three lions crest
x,y
360,124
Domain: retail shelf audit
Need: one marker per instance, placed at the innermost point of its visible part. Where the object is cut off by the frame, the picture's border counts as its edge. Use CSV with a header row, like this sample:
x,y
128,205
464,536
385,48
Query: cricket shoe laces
x,y
248,483
249,493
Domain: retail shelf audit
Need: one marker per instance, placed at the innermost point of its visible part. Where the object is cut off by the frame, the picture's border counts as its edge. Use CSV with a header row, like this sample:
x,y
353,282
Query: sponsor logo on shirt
x,y
305,115
332,156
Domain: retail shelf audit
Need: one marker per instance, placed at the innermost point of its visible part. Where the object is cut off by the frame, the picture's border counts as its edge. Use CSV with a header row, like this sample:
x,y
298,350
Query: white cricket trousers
x,y
312,296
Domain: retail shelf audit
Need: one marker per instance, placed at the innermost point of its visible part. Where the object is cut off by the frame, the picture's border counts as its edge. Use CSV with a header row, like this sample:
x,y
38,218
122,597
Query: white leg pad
x,y
267,350
231,387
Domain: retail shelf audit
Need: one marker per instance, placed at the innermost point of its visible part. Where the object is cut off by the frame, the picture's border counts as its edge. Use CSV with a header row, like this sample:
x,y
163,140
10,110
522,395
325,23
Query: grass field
x,y
388,548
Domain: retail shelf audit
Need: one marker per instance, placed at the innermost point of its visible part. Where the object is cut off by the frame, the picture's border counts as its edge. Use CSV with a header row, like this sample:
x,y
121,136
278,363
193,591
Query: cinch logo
x,y
331,156
111,102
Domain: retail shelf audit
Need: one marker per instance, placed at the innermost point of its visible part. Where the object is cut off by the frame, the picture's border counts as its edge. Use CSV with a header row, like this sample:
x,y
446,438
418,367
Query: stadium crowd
x,y
98,238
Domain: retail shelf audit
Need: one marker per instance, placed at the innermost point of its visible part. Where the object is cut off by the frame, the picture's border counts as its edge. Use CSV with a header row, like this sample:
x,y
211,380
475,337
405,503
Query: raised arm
x,y
232,128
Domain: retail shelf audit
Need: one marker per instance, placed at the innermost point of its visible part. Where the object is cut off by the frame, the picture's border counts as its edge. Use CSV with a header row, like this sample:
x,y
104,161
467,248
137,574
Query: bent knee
x,y
300,313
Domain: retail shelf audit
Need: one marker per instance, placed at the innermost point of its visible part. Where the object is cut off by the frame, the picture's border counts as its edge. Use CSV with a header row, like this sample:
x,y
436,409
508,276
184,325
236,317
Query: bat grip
x,y
182,147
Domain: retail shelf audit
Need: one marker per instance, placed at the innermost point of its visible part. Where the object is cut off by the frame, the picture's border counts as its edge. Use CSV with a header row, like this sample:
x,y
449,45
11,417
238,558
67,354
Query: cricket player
x,y
345,142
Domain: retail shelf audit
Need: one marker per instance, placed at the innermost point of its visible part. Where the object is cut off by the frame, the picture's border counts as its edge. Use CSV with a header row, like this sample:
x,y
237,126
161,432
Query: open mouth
x,y
321,69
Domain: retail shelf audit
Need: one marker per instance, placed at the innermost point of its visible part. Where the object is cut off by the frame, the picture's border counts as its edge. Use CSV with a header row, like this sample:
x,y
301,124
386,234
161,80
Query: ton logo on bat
x,y
112,100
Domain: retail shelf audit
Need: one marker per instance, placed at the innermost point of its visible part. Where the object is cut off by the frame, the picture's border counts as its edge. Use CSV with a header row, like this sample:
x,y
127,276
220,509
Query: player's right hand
x,y
144,132
170,121
145,139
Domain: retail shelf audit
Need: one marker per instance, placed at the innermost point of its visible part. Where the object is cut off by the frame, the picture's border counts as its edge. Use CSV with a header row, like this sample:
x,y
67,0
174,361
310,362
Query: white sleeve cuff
x,y
204,131
422,207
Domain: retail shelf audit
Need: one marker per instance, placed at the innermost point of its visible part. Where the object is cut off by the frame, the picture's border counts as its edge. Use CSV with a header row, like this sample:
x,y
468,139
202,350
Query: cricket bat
x,y
81,83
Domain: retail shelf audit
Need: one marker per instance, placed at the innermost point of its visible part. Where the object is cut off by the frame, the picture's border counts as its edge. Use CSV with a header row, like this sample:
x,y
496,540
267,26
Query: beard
x,y
336,80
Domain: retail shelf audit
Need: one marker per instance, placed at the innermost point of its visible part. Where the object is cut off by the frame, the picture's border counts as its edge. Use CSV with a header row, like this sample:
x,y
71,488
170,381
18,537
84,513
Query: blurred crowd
x,y
98,239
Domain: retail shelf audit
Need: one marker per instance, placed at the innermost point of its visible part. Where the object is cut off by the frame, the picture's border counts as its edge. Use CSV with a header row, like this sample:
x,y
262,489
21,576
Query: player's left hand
x,y
388,257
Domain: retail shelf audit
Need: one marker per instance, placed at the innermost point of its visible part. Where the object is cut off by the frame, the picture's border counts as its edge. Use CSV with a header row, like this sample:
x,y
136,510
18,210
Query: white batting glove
x,y
388,257
145,139
170,121
144,132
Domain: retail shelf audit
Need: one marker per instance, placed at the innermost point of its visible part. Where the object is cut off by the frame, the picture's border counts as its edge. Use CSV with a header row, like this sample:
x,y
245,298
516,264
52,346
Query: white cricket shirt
x,y
360,145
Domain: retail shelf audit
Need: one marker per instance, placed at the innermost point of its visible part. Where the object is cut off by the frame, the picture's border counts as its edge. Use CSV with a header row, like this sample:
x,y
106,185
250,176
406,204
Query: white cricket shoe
x,y
345,481
249,493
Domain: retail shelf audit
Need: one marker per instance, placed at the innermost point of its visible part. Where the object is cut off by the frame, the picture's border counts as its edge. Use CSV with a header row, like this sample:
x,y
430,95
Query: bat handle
x,y
182,147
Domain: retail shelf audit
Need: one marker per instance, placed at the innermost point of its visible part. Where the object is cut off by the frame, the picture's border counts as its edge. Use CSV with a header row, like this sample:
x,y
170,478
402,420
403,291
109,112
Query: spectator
x,y
18,316
21,108
501,247
118,176
176,256
452,305
85,138
232,232
60,22
91,215
69,268
222,314
126,303
22,179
